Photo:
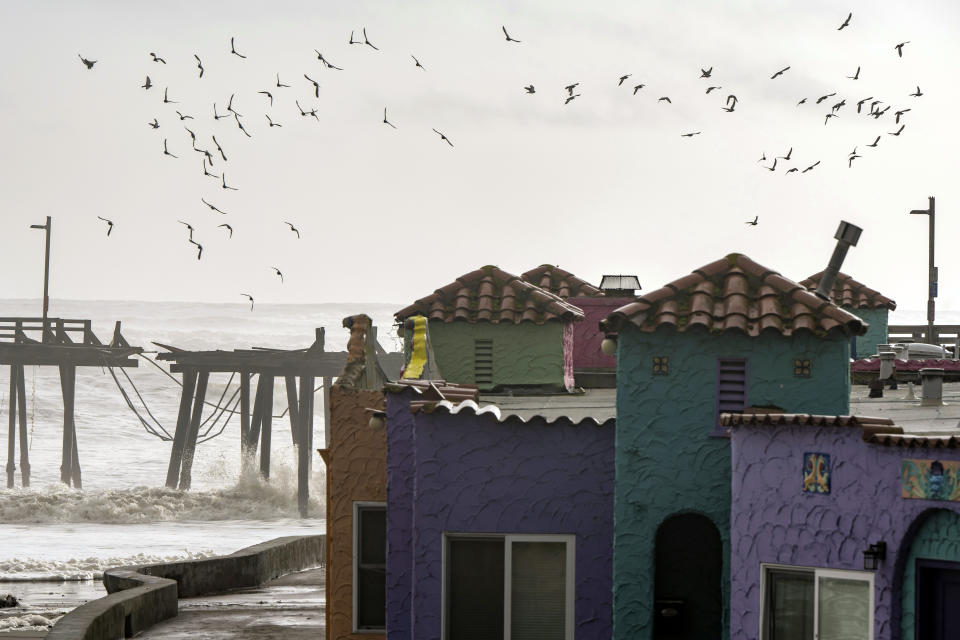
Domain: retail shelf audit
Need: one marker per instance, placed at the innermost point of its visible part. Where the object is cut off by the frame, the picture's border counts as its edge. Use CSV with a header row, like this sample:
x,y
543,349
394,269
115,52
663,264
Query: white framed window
x,y
509,587
369,567
807,603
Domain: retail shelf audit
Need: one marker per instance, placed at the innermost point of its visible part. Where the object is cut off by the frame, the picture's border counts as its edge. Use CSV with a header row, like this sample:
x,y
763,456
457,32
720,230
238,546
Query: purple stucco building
x,y
811,494
459,480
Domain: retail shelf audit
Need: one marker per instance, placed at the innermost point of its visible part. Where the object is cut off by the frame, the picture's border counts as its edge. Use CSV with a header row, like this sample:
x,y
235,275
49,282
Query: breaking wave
x,y
75,569
29,622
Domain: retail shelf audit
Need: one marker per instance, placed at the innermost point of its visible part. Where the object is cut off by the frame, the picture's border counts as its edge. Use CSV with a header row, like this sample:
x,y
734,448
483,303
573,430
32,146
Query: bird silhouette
x,y
875,142
326,62
810,168
879,112
873,105
826,97
838,106
664,99
109,224
165,152
530,89
623,78
779,73
228,227
251,299
443,137
827,119
199,247
899,48
223,183
571,97
89,63
917,94
272,123
763,156
193,136
188,226
157,58
791,170
709,89
219,148
240,126
689,135
146,83
731,103
570,87
212,207
637,87
230,106
417,62
773,167
154,124
851,159
316,86
352,41
293,228
233,49
218,117
861,102
280,84
509,39
787,157
366,40
385,121
705,73
183,117
855,76
846,23
278,273
207,173
853,153
900,113
802,102
199,65
269,95
753,222
898,131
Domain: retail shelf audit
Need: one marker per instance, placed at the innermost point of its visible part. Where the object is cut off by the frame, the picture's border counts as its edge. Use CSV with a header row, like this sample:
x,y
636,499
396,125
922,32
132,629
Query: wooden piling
x,y
244,413
183,422
253,435
24,442
305,439
292,407
190,442
68,379
327,384
12,433
266,421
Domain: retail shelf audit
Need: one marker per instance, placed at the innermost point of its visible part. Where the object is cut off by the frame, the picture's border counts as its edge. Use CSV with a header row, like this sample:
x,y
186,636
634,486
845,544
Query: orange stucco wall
x,y
357,472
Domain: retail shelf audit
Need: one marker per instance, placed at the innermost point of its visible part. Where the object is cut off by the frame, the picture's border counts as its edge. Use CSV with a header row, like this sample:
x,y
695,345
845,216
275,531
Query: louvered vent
x,y
731,387
483,362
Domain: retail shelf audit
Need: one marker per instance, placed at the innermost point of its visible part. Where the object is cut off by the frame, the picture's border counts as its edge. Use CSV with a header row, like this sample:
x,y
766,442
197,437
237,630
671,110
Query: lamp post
x,y
932,270
46,274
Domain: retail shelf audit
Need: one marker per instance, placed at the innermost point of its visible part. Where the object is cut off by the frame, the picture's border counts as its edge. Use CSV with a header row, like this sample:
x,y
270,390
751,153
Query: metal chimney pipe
x,y
847,236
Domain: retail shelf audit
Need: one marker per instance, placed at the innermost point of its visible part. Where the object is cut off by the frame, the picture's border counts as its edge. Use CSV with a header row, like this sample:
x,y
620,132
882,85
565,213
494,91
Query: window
x,y
514,587
369,566
816,604
731,396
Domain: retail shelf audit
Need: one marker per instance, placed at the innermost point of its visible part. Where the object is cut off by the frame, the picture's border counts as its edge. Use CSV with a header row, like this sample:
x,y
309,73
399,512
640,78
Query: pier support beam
x,y
305,444
190,441
70,465
12,433
183,423
24,442
266,425
292,406
244,414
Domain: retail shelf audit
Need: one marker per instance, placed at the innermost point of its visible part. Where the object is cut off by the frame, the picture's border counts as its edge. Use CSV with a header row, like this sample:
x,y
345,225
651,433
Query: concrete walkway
x,y
292,606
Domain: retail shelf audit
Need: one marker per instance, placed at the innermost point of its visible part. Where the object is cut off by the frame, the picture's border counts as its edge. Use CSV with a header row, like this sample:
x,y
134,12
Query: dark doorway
x,y
938,600
687,582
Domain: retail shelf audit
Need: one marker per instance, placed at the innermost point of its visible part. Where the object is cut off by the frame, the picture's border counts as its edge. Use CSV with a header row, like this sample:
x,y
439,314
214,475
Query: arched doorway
x,y
930,583
687,579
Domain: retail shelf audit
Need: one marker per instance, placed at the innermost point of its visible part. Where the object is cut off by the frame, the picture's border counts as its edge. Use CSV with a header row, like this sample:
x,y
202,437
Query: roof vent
x,y
847,236
620,286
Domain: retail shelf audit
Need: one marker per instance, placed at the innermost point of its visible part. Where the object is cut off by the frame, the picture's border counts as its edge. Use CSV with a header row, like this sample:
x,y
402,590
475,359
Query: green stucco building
x,y
730,336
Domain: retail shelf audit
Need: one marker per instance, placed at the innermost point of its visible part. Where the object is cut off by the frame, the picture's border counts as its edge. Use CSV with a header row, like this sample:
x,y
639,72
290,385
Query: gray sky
x,y
605,184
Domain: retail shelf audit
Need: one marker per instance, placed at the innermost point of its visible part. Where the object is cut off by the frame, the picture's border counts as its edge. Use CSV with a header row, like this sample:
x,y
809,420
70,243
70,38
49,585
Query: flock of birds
x,y
865,107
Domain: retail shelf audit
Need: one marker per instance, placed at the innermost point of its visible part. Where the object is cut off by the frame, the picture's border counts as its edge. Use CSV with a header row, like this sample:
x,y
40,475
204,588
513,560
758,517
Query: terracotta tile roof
x,y
432,392
909,441
560,283
492,295
779,419
735,293
847,292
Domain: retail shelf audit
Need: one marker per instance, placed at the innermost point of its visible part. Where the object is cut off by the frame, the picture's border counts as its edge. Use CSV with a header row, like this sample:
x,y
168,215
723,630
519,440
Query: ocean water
x,y
56,541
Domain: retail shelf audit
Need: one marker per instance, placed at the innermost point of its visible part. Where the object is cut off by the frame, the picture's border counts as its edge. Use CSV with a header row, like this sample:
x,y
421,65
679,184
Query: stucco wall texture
x,y
876,332
523,354
666,460
356,473
937,538
774,522
587,335
471,474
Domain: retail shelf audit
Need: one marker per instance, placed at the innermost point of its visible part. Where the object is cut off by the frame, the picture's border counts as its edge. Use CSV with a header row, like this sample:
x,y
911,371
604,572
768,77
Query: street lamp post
x,y
46,274
931,271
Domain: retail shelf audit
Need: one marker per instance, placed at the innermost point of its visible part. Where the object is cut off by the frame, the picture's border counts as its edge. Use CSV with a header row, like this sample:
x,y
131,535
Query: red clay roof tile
x,y
492,295
560,283
847,292
735,293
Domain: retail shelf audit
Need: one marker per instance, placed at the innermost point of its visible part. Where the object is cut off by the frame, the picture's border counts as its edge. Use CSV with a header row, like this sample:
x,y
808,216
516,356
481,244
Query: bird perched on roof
x,y
88,63
109,224
293,228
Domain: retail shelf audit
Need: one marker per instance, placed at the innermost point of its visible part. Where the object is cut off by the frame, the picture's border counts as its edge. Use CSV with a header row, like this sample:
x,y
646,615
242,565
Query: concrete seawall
x,y
141,596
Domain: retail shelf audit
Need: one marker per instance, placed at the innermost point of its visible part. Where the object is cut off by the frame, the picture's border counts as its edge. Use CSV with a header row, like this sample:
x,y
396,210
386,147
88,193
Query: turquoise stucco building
x,y
869,305
730,336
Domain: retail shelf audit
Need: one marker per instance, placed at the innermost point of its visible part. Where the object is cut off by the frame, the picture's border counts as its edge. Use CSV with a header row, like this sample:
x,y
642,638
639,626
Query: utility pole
x,y
46,275
932,271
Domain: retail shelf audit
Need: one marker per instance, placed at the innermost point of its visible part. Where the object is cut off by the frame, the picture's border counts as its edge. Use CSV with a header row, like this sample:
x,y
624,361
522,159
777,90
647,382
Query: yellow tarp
x,y
418,352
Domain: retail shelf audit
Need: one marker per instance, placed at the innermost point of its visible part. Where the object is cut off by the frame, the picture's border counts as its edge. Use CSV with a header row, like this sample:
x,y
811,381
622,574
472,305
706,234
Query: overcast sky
x,y
605,184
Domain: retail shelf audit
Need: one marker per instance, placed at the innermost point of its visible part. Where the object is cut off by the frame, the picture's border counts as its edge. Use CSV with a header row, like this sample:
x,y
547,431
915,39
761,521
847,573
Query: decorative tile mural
x,y
816,473
661,365
801,368
930,479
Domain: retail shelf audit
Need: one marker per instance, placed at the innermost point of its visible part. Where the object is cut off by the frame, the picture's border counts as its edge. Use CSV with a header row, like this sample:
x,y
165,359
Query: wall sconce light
x,y
378,419
609,344
873,555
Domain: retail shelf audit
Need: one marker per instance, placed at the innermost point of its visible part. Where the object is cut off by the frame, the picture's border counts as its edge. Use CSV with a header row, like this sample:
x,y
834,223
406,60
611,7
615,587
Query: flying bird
x,y
218,117
251,299
801,102
787,157
233,49
188,226
367,41
326,62
207,173
899,48
193,137
316,86
417,62
763,157
293,228
689,135
445,138
212,207
779,73
861,102
705,73
855,76
165,152
230,107
623,78
529,89
280,84
846,23
272,123
898,131
838,106
900,113
219,148
352,41
167,100
199,247
223,182
709,89
827,119
879,112
269,95
637,88
792,169
228,228
278,273
146,83
109,224
918,93
664,98
183,117
199,65
240,125
385,121
851,159
571,87
730,107
157,58
509,39
753,222
822,98
774,167
810,168
571,97
875,142
88,63
154,124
